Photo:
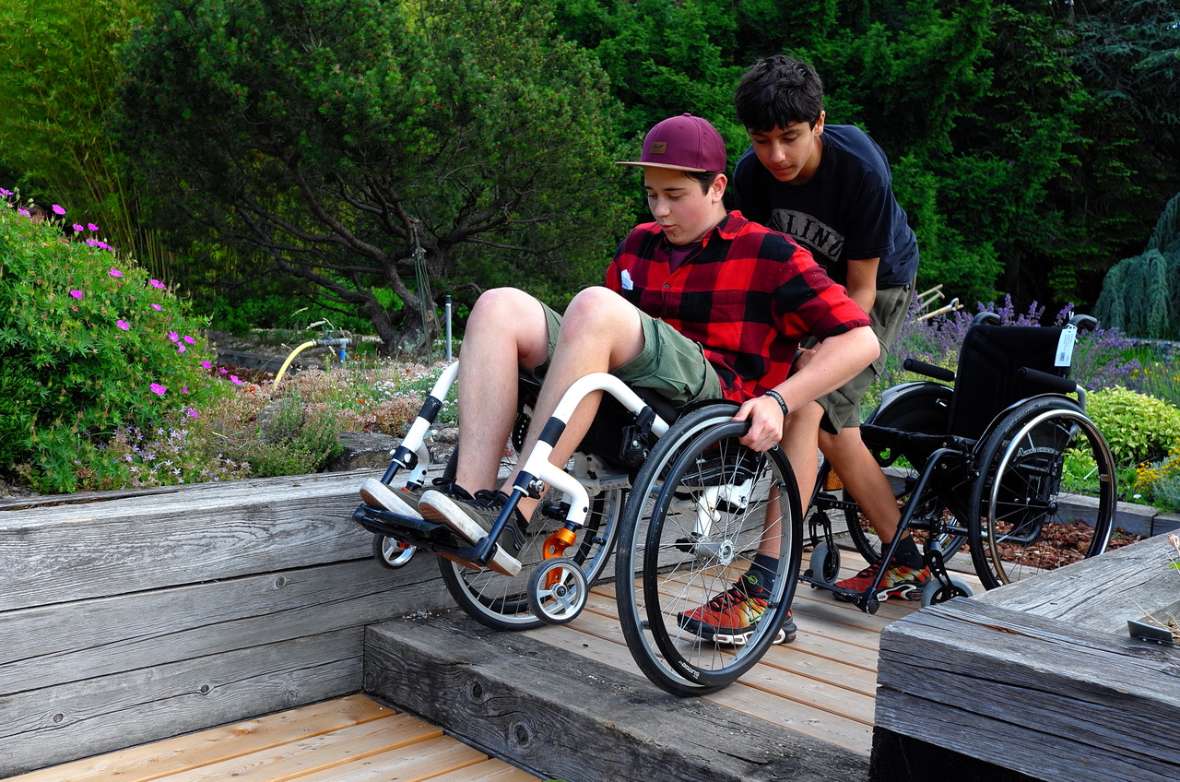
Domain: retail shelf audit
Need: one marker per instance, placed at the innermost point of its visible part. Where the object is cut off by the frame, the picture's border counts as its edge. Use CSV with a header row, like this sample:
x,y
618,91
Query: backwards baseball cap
x,y
682,143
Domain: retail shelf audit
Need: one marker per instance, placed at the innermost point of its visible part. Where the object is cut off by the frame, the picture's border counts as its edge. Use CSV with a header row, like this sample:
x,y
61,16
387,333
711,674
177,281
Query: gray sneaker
x,y
400,500
470,518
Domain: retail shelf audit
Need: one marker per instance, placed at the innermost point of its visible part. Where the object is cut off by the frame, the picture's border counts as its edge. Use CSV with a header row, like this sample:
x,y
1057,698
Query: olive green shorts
x,y
670,363
842,406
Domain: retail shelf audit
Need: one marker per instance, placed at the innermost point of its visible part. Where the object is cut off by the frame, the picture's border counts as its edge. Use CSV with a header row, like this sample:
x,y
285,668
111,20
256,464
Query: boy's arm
x,y
862,282
834,362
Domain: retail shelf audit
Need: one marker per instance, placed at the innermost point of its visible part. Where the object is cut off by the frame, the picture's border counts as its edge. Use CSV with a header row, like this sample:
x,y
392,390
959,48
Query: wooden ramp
x,y
350,739
570,701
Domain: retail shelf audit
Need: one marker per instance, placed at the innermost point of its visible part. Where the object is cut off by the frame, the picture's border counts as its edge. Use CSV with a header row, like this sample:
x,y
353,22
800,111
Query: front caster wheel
x,y
937,592
391,552
557,591
825,564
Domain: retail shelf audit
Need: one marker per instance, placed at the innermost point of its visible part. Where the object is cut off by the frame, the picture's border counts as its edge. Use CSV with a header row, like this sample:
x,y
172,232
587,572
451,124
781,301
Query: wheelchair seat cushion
x,y
986,381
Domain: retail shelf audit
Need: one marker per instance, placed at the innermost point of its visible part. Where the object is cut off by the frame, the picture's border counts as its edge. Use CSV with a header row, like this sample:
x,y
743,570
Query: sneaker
x,y
899,581
470,518
732,616
401,500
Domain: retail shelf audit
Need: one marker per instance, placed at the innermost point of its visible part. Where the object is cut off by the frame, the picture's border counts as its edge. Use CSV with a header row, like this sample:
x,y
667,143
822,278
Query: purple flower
x,y
5,193
156,284
181,348
189,340
206,364
184,390
192,412
92,243
58,209
91,227
156,307
222,371
122,324
234,379
158,389
114,272
77,294
173,336
77,228
23,212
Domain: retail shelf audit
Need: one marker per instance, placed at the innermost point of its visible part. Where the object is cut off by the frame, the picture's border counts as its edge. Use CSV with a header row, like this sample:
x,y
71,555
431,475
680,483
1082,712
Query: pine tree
x,y
1141,295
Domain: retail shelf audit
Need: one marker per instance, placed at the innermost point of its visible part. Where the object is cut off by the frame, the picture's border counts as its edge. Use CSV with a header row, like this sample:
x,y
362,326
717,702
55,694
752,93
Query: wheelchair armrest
x,y
1051,382
929,370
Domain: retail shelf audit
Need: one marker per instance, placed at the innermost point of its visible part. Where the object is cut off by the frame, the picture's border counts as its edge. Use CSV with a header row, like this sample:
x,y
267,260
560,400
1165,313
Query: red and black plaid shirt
x,y
749,295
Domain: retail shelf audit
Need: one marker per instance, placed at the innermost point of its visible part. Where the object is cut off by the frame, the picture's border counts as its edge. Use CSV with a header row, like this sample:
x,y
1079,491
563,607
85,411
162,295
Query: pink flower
x,y
77,228
156,284
173,336
122,324
191,412
115,273
5,193
181,348
91,227
222,371
77,294
58,209
189,340
157,307
158,389
234,379
206,364
184,390
23,212
93,243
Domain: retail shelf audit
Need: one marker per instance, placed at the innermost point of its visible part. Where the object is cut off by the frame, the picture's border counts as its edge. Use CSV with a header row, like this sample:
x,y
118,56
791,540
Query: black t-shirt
x,y
846,210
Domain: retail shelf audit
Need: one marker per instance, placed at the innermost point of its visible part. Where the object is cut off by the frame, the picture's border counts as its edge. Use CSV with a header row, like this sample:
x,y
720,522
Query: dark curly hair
x,y
779,91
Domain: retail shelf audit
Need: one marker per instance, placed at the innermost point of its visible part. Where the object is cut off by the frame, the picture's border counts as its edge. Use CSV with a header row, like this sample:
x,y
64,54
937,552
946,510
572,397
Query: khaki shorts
x,y
670,363
842,406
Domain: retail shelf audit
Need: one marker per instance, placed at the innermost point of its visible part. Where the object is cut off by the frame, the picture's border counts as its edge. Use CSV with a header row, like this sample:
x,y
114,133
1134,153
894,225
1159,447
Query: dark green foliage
x,y
338,136
1141,295
69,373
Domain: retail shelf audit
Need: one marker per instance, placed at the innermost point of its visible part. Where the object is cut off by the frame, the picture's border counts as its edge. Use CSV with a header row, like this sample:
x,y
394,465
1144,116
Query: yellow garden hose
x,y
282,370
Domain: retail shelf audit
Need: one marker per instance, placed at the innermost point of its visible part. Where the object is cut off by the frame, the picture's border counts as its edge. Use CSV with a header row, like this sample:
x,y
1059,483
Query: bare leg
x,y
505,331
863,479
800,444
600,331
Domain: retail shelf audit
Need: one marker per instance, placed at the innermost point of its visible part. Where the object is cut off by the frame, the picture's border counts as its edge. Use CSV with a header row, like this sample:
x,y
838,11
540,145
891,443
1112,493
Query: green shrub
x,y
1139,428
292,441
88,344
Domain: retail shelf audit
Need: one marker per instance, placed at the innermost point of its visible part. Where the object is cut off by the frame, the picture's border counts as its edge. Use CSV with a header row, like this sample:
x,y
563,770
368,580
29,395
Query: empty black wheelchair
x,y
997,462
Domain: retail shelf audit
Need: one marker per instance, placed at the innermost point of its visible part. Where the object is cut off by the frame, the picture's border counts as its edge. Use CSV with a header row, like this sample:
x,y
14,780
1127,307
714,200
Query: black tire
x,y
1037,453
502,602
680,567
925,410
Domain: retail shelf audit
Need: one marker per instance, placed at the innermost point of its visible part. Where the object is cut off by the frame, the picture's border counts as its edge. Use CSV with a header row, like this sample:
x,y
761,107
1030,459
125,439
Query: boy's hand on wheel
x,y
766,423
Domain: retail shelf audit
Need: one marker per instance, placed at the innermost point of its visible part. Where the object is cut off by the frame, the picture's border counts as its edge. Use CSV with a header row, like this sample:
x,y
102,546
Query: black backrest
x,y
986,381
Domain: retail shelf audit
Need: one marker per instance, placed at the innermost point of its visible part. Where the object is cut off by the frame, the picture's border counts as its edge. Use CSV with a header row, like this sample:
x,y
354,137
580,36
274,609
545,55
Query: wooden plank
x,y
422,760
548,708
317,753
52,645
489,771
49,555
1101,593
57,724
1039,696
182,753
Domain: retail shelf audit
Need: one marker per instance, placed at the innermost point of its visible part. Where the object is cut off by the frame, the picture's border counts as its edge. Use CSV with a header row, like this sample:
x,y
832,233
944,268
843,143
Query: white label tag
x,y
1065,346
625,280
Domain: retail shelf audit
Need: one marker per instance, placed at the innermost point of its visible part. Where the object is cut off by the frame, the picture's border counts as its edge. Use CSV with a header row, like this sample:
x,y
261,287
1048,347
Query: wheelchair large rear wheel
x,y
502,602
1021,514
924,413
694,521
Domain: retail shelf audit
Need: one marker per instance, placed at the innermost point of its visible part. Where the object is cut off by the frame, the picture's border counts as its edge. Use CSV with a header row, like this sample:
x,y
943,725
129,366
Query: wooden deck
x,y
822,685
350,739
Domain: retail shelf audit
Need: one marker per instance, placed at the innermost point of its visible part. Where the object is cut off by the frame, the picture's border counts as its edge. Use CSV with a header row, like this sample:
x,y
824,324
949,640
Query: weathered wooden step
x,y
562,715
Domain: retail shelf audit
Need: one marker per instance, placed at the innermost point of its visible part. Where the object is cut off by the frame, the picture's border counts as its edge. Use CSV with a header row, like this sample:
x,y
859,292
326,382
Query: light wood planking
x,y
350,739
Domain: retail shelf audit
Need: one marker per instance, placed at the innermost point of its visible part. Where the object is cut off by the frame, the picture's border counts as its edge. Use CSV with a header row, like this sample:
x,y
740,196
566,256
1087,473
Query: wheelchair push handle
x,y
1051,382
929,370
1083,322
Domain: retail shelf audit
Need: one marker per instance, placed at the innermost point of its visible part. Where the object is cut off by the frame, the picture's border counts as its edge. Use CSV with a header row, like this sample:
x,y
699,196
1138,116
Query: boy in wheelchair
x,y
699,304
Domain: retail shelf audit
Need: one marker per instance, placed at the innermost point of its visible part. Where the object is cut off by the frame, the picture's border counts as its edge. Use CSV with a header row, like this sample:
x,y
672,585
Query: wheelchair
x,y
987,464
671,492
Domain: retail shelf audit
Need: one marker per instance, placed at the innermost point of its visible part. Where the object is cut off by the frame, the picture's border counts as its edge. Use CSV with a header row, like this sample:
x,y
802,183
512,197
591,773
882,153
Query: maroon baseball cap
x,y
683,143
